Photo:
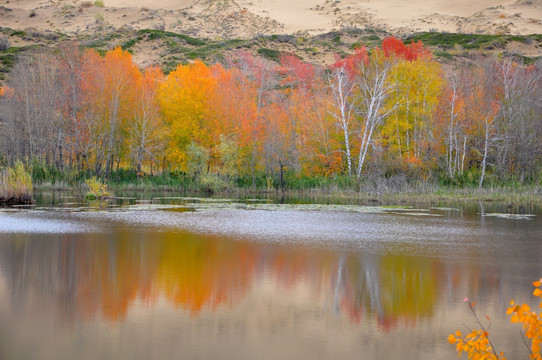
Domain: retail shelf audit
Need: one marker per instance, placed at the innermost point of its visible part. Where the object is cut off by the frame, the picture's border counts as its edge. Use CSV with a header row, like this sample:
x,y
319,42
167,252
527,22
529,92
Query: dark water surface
x,y
180,278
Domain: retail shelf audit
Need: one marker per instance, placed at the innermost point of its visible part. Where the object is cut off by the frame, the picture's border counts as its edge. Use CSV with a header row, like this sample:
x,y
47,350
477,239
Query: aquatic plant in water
x,y
96,189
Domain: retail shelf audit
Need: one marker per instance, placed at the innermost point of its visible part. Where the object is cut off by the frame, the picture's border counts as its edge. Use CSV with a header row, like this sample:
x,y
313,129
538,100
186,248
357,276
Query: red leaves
x,y
295,72
351,63
393,47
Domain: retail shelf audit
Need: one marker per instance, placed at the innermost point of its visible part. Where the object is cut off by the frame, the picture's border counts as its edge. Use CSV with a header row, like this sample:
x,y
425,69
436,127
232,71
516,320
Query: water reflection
x,y
305,299
96,276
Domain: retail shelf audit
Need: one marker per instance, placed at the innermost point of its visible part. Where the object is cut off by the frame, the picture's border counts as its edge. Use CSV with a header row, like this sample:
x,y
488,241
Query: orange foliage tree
x,y
392,110
108,86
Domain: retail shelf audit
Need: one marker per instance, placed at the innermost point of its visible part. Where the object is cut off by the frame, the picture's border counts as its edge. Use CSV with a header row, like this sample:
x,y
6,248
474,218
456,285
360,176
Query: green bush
x,y
214,183
269,53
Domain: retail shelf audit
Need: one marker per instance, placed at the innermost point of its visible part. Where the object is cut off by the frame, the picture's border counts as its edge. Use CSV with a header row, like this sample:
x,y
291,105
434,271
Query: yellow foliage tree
x,y
183,98
418,86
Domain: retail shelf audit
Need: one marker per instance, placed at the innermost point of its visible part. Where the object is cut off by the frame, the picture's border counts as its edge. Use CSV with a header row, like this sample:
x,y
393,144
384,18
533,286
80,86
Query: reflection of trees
x,y
113,273
409,286
389,287
198,273
92,275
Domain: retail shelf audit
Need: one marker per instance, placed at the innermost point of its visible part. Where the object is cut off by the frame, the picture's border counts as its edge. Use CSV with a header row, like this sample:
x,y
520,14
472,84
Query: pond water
x,y
187,278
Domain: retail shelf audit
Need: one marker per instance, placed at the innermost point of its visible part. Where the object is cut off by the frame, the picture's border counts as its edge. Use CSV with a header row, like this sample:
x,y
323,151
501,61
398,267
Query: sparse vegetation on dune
x,y
169,48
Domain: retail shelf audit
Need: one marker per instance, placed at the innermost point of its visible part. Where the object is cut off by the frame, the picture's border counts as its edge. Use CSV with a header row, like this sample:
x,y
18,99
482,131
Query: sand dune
x,y
246,18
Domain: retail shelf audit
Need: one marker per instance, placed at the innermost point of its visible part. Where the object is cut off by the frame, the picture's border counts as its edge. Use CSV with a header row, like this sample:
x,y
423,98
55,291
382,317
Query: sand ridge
x,y
249,18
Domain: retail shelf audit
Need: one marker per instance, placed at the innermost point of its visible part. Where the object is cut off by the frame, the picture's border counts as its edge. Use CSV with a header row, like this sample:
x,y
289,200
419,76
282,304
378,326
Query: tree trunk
x,y
281,175
484,159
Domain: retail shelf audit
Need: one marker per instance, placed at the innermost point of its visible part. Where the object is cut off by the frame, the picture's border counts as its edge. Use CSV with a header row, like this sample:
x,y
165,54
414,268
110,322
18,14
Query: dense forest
x,y
391,114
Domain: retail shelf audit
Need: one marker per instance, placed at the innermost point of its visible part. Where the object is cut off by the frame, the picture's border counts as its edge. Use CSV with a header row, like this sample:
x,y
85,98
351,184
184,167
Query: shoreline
x,y
516,197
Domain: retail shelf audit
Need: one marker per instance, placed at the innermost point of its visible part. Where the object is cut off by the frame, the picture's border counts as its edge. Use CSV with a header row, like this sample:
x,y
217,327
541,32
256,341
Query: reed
x,y
16,185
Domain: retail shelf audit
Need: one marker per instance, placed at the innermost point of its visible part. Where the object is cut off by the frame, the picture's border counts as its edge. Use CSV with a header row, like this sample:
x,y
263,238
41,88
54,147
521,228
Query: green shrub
x,y
214,183
269,53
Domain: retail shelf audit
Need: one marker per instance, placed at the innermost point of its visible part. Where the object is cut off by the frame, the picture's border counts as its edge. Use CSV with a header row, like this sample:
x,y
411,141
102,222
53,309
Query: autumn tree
x,y
483,110
71,76
372,108
451,125
279,142
342,82
145,128
183,98
109,85
408,131
319,141
257,80
478,345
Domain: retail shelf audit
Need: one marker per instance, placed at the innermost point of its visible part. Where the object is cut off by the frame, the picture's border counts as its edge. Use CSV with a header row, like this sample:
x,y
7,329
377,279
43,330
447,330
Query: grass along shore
x,y
16,185
330,190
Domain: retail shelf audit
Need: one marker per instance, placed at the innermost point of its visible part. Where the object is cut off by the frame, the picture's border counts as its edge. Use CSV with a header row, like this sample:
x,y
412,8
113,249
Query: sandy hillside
x,y
247,18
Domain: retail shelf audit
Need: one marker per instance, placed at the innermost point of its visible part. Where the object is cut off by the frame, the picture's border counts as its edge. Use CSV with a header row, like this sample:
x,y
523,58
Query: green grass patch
x,y
7,60
17,33
443,55
159,34
127,45
270,54
527,60
470,41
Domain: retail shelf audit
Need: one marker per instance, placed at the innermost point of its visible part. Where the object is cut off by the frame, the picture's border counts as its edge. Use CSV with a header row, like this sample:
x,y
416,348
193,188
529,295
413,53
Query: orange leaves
x,y
6,91
454,338
477,344
109,92
531,321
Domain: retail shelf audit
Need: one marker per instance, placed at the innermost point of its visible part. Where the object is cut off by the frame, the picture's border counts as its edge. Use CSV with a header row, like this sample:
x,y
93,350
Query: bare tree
x,y
520,118
71,74
31,119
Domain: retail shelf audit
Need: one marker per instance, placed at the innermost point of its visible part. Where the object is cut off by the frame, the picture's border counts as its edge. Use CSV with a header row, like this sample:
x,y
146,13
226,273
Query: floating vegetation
x,y
418,213
222,205
511,216
445,209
